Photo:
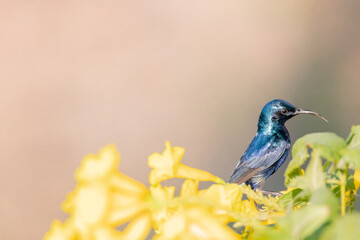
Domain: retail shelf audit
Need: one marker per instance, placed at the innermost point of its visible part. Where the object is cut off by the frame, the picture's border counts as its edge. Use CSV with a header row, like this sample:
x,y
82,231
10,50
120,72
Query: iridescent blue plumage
x,y
270,147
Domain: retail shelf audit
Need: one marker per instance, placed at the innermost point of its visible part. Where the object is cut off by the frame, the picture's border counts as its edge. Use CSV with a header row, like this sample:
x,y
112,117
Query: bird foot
x,y
277,194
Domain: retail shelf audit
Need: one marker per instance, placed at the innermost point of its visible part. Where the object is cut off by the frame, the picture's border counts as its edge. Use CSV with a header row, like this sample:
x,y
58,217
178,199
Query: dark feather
x,y
262,153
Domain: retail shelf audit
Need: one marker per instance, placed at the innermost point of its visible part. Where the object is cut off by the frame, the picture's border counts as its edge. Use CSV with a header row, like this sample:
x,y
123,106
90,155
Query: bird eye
x,y
284,111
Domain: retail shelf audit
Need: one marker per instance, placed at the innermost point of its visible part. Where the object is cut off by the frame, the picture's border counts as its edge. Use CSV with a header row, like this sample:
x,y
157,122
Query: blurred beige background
x,y
77,75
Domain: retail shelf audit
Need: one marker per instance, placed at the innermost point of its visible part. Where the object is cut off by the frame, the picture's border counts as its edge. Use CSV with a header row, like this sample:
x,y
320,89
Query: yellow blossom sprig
x,y
105,199
258,197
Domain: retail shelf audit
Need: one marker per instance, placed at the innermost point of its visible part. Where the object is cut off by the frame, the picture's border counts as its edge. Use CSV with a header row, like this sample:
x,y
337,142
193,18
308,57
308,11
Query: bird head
x,y
277,112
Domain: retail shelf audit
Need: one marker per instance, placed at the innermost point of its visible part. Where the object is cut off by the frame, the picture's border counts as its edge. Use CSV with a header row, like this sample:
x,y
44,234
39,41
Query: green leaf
x,y
316,235
271,234
353,141
296,182
352,157
295,198
344,228
293,170
329,145
298,224
324,196
314,176
307,220
289,197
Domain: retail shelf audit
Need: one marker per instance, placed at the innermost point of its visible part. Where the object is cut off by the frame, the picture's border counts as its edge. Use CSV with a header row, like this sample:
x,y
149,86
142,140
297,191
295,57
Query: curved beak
x,y
302,111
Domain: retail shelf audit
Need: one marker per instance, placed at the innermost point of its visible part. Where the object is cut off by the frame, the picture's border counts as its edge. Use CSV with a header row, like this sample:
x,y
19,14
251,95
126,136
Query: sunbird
x,y
270,146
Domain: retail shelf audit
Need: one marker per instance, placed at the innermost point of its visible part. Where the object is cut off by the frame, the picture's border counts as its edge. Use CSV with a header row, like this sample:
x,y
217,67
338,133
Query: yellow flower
x,y
189,188
168,165
195,222
225,196
102,200
197,214
357,179
161,198
61,231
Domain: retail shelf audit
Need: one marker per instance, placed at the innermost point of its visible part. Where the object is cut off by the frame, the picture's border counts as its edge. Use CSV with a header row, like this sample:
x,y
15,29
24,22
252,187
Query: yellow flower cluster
x,y
107,204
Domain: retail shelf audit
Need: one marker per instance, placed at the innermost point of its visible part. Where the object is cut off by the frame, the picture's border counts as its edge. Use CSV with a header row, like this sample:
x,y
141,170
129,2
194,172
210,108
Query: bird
x,y
270,146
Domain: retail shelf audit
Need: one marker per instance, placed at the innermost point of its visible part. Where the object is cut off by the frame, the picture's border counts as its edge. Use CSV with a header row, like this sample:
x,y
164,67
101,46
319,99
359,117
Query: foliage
x,y
318,204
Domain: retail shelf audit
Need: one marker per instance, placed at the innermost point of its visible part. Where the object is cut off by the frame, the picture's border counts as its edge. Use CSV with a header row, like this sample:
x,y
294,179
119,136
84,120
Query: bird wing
x,y
261,154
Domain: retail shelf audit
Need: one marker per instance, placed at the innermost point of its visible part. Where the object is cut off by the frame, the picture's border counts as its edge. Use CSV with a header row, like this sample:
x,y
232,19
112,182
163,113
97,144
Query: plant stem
x,y
343,192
